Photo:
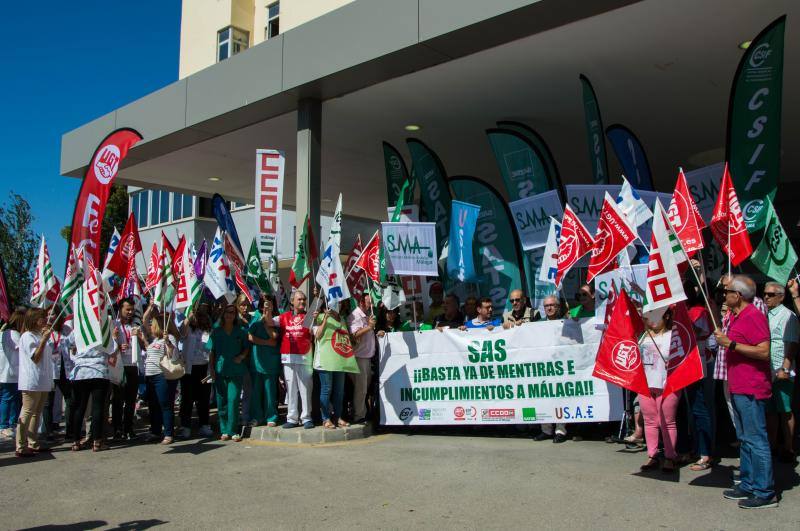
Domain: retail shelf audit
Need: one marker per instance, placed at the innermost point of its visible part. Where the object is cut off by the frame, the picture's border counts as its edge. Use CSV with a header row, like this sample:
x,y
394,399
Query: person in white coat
x,y
10,399
35,379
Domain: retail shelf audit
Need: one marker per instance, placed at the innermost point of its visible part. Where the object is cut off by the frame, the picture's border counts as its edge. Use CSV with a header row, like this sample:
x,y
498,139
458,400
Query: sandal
x,y
343,423
328,425
25,452
701,465
651,464
669,466
630,439
224,437
236,438
99,446
76,447
167,440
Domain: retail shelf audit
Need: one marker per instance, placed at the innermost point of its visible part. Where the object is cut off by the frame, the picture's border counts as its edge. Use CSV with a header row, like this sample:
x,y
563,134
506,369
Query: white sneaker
x,y
205,431
185,433
6,433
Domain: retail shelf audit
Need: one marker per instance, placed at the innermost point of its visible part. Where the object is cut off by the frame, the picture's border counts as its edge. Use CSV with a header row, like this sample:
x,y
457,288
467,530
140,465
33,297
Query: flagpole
x,y
729,246
414,304
689,263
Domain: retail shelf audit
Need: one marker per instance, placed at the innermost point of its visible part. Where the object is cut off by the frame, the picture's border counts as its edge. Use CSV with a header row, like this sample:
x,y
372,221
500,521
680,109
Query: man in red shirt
x,y
750,381
296,357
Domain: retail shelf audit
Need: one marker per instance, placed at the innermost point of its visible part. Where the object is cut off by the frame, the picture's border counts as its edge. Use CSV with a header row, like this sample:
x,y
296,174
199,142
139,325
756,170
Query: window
x,y
273,26
231,41
205,208
144,202
154,208
164,210
135,207
181,206
188,204
235,205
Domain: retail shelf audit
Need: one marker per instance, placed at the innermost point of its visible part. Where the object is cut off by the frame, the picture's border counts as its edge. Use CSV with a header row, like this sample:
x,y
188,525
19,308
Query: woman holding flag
x,y
659,411
10,400
35,379
333,357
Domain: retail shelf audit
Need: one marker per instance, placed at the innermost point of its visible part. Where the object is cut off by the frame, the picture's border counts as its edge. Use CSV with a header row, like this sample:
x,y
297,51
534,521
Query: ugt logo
x,y
625,356
106,163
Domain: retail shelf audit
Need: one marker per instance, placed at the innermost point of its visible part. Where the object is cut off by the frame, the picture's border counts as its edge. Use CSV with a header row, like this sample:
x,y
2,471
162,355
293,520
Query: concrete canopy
x,y
663,69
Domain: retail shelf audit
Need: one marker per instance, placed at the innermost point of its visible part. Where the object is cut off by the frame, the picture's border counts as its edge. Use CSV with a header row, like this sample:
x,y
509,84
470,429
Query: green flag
x,y
301,267
401,202
774,256
255,271
396,175
595,134
427,170
754,123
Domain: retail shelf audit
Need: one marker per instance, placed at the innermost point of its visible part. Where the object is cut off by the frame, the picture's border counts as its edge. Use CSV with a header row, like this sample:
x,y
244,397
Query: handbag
x,y
172,370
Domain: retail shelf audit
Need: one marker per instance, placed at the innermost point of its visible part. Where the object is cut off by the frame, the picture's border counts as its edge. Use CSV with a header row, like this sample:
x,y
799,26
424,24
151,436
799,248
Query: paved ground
x,y
386,482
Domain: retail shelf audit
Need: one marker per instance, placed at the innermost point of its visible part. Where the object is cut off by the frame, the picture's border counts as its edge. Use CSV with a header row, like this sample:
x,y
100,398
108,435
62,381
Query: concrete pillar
x,y
309,171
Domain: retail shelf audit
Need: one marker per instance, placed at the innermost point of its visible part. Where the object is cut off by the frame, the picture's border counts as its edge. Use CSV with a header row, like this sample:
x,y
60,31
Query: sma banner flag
x,y
619,360
774,256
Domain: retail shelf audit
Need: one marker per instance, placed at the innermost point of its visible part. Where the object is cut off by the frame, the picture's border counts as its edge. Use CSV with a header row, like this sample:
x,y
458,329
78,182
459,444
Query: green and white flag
x,y
304,255
774,256
255,271
44,279
189,286
401,202
76,274
93,324
165,289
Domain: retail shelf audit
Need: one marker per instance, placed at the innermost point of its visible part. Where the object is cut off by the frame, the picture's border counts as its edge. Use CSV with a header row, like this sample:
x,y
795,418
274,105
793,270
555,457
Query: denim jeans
x,y
701,405
331,394
161,401
754,453
10,404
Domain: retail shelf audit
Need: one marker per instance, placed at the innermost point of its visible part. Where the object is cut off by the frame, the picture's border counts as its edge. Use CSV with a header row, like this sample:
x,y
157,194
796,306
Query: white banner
x,y
704,187
270,165
410,249
532,217
535,373
549,267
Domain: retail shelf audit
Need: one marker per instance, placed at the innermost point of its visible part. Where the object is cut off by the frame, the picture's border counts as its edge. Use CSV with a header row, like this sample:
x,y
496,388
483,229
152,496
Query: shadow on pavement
x,y
195,448
658,475
94,524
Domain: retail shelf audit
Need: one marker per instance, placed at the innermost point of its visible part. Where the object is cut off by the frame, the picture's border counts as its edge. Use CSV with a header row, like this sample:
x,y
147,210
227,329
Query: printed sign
x,y
410,248
532,217
270,164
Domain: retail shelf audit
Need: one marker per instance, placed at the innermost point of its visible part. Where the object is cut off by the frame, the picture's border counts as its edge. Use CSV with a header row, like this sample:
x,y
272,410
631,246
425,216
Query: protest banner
x,y
410,248
270,164
535,373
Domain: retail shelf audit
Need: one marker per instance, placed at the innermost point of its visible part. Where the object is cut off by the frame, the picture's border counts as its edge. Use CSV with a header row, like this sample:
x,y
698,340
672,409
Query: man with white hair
x,y
747,343
783,328
552,312
296,357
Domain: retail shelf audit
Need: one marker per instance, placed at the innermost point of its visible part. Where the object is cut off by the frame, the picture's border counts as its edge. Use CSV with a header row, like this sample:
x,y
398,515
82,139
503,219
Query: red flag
x,y
153,269
5,300
241,284
130,283
613,236
166,244
370,261
685,217
177,257
575,241
129,246
97,181
312,249
232,252
619,360
684,365
610,303
727,223
356,278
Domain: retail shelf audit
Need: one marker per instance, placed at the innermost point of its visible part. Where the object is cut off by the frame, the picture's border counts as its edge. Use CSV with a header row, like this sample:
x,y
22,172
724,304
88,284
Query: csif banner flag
x,y
631,156
428,171
753,147
396,176
594,132
497,250
90,207
460,262
270,164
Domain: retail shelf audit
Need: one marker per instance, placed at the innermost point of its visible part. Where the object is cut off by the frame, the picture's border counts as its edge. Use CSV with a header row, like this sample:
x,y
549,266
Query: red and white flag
x,y
129,246
356,277
574,242
612,237
684,216
664,285
370,259
684,365
619,360
242,285
5,298
727,223
153,269
45,284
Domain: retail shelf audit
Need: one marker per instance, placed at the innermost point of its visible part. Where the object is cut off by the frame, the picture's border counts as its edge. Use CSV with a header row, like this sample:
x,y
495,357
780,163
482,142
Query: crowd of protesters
x,y
248,360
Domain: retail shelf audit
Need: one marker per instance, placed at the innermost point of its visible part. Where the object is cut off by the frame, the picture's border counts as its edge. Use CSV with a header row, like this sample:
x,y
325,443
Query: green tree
x,y
18,246
116,215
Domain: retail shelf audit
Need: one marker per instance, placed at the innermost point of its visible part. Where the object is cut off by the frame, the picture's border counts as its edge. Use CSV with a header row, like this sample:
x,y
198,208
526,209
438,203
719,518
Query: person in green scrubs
x,y
265,367
585,307
227,364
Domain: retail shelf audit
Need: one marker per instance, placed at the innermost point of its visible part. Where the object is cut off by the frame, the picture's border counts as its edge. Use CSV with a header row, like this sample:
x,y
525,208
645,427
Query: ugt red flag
x,y
613,236
356,278
684,365
619,360
129,246
684,216
370,259
727,223
91,205
153,269
575,241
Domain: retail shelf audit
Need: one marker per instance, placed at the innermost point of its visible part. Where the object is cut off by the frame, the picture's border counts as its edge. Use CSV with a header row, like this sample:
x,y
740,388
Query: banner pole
x,y
414,303
729,246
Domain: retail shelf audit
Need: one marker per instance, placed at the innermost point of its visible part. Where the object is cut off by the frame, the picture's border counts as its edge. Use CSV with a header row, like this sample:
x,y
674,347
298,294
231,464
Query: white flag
x,y
393,295
112,248
549,269
44,280
632,206
217,274
330,276
664,285
93,326
189,286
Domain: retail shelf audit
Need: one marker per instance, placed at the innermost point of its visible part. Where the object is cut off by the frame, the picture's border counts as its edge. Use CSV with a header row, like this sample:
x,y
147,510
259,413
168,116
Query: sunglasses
x,y
552,305
512,301
769,294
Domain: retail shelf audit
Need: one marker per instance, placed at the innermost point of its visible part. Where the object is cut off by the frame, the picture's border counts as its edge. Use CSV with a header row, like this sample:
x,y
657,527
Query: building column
x,y
309,171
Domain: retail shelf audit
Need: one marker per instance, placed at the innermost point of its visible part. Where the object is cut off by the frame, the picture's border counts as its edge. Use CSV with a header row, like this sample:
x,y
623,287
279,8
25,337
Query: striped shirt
x,y
155,351
721,365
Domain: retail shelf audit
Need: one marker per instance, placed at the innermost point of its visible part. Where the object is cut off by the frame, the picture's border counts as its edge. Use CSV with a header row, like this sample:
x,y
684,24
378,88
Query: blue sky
x,y
79,61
